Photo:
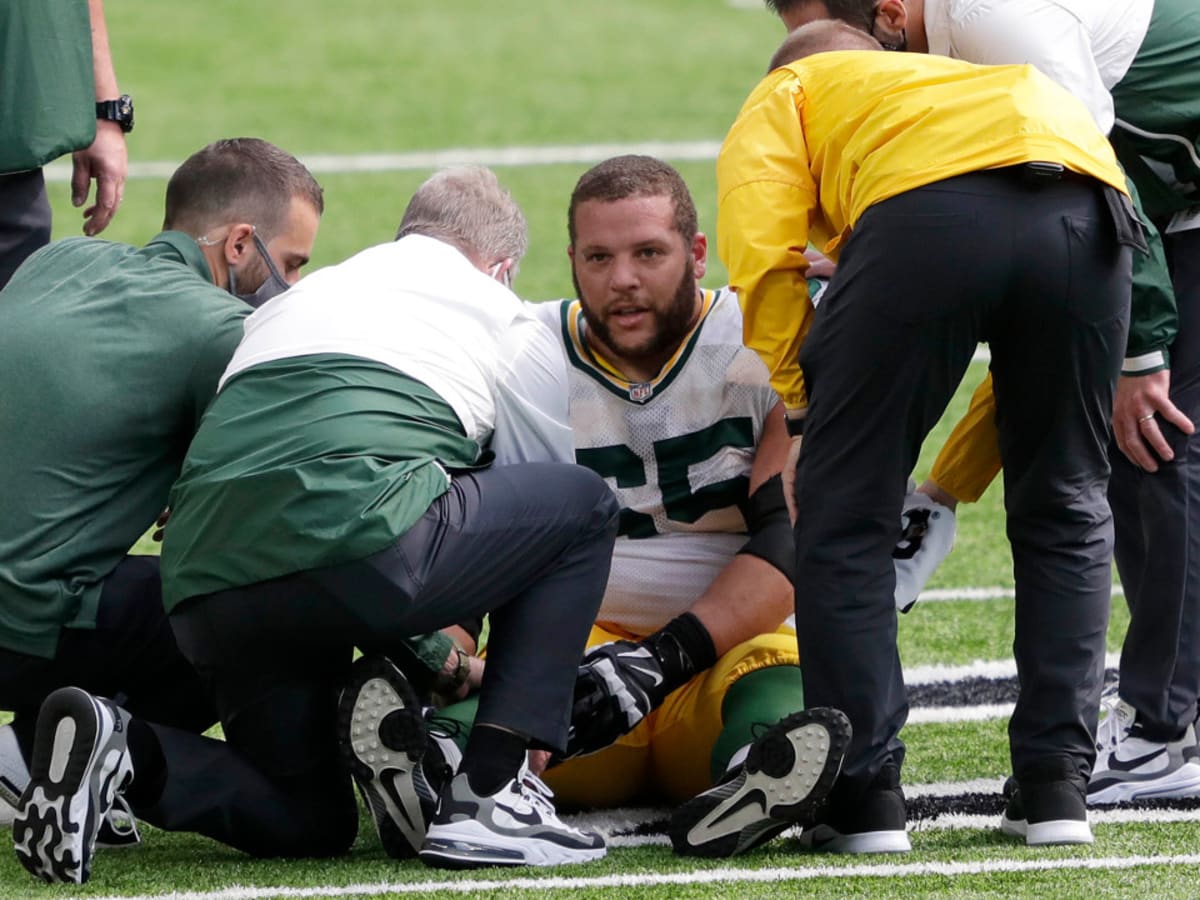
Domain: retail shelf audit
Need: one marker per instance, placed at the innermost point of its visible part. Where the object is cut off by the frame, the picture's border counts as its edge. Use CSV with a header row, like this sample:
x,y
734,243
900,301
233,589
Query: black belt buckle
x,y
1041,174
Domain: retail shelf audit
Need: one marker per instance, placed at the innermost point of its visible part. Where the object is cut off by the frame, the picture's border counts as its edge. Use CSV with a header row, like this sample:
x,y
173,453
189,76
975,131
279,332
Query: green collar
x,y
184,248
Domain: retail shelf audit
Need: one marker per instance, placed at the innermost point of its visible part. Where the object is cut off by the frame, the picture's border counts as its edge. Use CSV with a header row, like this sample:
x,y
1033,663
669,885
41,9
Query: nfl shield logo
x,y
642,391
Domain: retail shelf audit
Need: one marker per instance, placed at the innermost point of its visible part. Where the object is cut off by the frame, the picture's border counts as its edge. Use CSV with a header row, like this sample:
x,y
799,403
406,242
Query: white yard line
x,y
417,160
706,876
998,668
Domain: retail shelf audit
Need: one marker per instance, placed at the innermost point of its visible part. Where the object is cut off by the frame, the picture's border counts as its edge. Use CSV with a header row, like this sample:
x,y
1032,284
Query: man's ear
x,y
891,17
571,252
699,255
238,242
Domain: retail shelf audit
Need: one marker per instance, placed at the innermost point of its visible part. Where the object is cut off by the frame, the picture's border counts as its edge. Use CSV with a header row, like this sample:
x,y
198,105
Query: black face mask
x,y
273,286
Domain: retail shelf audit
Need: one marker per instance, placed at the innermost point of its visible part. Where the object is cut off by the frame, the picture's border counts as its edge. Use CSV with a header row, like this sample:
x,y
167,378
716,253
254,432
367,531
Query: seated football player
x,y
690,689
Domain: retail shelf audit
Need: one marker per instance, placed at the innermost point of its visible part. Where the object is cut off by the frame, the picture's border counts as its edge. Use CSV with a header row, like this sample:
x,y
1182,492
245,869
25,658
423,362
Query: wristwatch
x,y
119,111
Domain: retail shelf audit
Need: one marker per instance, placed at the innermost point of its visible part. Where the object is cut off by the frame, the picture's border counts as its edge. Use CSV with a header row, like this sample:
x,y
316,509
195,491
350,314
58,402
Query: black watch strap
x,y
119,111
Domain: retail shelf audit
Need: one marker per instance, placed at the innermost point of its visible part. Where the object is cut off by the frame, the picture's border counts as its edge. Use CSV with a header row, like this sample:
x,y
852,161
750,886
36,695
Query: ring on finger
x,y
1145,418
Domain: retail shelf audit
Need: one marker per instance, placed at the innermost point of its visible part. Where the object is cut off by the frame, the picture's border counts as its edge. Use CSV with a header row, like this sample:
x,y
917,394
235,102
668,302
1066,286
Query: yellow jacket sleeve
x,y
766,201
970,459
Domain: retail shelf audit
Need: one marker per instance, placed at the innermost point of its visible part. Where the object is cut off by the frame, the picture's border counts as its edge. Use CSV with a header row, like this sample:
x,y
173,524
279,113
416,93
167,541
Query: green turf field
x,y
388,77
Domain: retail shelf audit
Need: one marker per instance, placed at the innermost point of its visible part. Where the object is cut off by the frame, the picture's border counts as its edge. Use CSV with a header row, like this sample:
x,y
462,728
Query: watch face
x,y
119,111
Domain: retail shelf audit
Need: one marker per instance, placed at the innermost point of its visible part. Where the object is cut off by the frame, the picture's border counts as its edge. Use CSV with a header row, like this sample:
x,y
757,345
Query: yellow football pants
x,y
667,755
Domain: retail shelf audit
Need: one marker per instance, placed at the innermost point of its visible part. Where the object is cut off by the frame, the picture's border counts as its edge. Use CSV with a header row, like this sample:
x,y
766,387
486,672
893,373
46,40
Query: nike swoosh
x,y
1128,765
525,818
655,677
753,797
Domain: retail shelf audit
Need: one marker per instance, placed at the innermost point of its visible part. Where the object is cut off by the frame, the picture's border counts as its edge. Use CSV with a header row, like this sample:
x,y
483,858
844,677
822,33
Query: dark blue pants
x,y
528,544
1038,273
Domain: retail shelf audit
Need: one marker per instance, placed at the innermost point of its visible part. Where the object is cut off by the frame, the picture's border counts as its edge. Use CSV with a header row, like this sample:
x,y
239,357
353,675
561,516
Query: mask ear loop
x,y
502,274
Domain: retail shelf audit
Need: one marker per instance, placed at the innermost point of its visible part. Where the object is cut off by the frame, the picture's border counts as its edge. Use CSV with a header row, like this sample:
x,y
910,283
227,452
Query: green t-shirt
x,y
306,462
109,355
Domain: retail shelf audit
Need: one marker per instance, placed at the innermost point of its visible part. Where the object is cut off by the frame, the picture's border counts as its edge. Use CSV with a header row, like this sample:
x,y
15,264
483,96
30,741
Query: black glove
x,y
620,683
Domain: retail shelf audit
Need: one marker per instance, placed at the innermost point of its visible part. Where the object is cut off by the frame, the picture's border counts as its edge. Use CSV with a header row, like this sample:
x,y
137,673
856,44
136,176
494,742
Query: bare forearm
x,y
102,63
749,597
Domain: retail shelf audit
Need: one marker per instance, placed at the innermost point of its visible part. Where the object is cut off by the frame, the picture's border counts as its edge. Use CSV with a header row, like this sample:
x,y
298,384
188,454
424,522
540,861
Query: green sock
x,y
763,696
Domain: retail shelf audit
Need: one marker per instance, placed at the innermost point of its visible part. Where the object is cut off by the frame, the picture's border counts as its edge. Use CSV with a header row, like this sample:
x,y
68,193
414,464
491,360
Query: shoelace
x,y
537,793
1111,729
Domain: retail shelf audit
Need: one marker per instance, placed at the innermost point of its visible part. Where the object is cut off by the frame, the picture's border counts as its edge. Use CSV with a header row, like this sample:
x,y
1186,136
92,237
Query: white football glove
x,y
927,536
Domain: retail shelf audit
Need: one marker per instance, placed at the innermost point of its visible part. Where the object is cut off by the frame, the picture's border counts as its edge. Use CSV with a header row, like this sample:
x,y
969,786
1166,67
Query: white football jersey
x,y
676,451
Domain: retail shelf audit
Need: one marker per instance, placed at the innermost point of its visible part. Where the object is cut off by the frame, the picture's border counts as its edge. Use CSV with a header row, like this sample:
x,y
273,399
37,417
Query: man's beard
x,y
672,325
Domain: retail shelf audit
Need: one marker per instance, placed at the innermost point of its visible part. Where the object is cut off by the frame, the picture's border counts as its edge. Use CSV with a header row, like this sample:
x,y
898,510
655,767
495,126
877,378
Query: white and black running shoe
x,y
1130,767
516,826
79,763
382,736
784,781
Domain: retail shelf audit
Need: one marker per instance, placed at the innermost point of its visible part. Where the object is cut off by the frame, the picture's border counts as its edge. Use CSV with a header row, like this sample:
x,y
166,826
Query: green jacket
x,y
1157,140
47,87
109,355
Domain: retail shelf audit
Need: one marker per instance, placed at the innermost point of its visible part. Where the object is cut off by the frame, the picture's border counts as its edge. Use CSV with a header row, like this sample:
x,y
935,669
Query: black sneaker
x,y
381,733
79,763
784,781
1047,805
873,822
516,826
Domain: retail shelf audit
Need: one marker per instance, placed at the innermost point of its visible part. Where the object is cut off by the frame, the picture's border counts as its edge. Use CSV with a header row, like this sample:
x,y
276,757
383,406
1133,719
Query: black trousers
x,y
529,544
24,219
1039,274
130,657
1157,518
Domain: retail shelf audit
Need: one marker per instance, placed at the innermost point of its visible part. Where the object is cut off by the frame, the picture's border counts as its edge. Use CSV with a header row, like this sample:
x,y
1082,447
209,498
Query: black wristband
x,y
795,425
683,647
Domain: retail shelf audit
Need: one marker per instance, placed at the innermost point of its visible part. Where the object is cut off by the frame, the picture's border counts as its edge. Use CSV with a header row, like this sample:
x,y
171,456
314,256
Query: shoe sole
x,y
469,845
1057,832
826,839
78,765
785,781
387,773
1180,785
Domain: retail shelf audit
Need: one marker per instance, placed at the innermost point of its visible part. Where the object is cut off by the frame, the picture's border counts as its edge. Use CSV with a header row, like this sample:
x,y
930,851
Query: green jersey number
x,y
673,457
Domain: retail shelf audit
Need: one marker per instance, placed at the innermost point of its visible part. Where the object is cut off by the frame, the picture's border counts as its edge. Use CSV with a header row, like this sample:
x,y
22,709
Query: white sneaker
x,y
926,538
1129,767
516,826
79,763
14,775
118,828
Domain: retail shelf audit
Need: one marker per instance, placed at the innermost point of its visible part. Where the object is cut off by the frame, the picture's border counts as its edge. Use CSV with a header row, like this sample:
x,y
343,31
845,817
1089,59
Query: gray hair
x,y
466,207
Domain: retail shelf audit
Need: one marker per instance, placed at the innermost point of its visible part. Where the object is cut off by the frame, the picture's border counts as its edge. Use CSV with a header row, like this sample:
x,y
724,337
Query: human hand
x,y
788,476
1138,402
105,161
819,265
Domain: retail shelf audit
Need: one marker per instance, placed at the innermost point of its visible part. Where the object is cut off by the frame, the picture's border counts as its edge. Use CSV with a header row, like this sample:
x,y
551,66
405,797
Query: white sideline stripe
x,y
927,715
550,155
944,595
704,876
1095,817
997,668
